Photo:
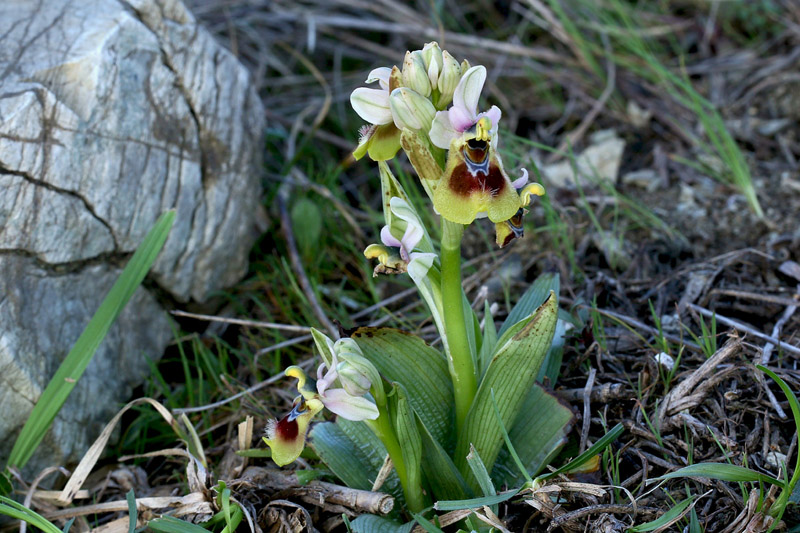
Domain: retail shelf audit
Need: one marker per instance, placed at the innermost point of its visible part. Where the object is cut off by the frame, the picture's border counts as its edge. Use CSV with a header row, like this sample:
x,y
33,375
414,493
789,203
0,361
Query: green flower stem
x,y
382,427
462,368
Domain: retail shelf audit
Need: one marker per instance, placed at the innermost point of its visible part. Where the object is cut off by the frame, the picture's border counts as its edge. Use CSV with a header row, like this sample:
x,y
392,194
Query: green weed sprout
x,y
440,416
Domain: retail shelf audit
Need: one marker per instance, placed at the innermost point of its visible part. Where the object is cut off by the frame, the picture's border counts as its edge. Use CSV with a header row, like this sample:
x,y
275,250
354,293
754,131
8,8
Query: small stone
x,y
646,179
599,161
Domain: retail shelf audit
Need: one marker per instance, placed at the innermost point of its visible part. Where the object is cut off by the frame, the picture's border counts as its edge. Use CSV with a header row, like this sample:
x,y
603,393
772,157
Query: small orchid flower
x,y
511,229
463,115
380,139
396,255
286,437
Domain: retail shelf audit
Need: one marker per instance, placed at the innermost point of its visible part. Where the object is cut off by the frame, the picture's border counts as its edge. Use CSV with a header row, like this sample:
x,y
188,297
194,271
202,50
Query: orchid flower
x,y
380,139
511,229
463,115
286,437
396,255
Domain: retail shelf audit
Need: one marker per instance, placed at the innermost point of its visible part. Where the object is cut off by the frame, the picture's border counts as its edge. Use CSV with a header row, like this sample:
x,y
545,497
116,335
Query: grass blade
x,y
474,503
170,524
18,511
133,514
671,516
593,450
724,472
70,371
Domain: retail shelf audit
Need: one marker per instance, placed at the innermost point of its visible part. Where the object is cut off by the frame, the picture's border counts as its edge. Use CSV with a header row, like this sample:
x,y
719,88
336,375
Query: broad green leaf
x,y
723,471
307,226
78,358
169,524
405,426
534,297
442,476
664,520
551,368
593,450
511,374
18,511
489,339
537,434
370,523
474,503
354,454
406,359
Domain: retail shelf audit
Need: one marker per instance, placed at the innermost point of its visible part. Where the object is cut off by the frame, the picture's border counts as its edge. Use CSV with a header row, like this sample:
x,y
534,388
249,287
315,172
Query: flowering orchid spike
x,y
474,181
286,437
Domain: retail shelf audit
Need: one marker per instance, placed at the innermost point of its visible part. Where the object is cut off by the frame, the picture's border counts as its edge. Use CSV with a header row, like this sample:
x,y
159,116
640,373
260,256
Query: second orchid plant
x,y
439,416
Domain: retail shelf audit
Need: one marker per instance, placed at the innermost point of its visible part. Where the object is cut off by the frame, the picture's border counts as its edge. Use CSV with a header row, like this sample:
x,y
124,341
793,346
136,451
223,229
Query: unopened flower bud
x,y
448,79
432,55
411,110
355,382
356,373
415,75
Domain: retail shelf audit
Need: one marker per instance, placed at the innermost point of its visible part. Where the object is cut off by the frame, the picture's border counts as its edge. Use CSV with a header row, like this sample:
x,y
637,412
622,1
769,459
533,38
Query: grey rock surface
x,y
112,112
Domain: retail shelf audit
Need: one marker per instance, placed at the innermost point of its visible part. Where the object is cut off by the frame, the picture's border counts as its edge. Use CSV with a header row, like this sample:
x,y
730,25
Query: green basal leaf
x,y
78,358
511,374
354,454
405,426
551,368
442,476
474,503
723,471
534,297
664,520
370,523
169,524
489,340
406,359
538,433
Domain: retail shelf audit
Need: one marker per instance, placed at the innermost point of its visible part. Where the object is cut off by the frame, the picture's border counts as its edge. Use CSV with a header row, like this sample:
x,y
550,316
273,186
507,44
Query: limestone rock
x,y
112,112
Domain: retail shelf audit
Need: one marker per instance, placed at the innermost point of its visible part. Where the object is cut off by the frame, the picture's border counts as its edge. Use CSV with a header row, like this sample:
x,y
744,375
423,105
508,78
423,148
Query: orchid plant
x,y
431,411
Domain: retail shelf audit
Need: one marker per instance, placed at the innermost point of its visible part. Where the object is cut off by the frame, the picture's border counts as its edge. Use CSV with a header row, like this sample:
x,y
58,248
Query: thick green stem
x,y
382,427
462,368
